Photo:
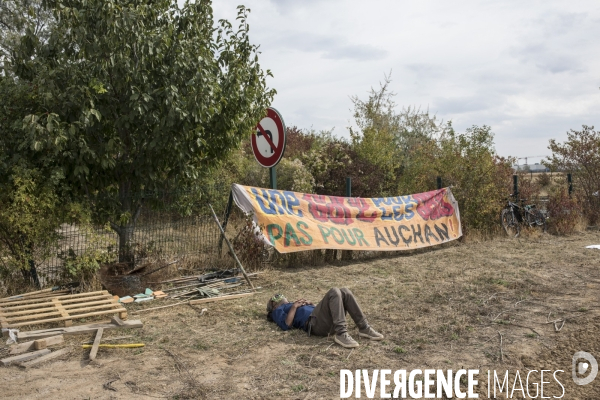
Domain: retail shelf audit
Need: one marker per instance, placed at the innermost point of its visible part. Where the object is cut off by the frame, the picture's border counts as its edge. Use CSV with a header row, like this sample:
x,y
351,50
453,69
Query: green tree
x,y
15,17
378,127
135,96
467,162
580,155
480,179
34,199
388,138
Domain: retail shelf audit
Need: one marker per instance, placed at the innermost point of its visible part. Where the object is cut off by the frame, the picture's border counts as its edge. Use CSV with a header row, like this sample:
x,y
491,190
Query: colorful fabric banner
x,y
292,221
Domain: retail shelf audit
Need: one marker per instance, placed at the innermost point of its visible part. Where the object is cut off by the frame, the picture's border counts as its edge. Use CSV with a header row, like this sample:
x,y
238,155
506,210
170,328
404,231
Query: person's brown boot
x,y
345,340
370,333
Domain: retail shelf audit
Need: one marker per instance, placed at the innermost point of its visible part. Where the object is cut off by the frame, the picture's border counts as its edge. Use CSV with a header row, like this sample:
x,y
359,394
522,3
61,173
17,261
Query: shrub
x,y
543,179
564,212
467,162
31,211
529,189
580,155
250,250
82,267
331,161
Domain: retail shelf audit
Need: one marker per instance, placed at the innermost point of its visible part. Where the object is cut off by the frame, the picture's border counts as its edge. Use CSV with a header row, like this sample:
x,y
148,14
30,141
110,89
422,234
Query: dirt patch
x,y
442,309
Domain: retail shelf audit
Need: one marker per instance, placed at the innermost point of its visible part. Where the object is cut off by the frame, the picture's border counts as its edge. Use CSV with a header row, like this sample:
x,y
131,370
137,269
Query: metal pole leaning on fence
x,y
230,247
226,219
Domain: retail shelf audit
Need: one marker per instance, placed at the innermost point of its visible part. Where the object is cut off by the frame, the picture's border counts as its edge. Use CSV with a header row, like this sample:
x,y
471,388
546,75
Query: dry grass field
x,y
472,304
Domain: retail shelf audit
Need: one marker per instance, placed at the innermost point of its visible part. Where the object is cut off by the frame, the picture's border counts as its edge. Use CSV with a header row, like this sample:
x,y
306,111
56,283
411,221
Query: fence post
x,y
439,182
515,186
348,186
347,254
570,182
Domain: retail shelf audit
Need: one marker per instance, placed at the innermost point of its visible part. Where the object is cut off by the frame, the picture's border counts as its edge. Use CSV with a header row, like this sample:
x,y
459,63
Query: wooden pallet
x,y
36,295
61,308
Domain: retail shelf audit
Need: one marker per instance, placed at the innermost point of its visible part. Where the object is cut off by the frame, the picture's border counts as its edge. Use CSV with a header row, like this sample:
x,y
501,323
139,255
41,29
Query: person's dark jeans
x,y
329,315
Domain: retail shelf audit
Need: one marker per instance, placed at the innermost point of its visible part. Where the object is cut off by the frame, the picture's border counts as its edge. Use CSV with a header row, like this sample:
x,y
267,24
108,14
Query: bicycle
x,y
514,215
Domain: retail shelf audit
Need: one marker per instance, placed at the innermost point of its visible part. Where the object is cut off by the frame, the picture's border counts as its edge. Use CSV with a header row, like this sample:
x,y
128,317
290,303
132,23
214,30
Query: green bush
x,y
467,162
543,179
31,211
564,212
580,155
83,267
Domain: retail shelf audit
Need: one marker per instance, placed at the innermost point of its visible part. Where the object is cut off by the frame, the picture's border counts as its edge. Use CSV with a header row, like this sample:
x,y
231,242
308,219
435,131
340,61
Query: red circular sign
x,y
268,142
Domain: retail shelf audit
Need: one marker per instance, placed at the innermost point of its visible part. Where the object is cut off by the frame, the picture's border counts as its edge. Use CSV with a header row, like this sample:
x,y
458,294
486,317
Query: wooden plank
x,y
157,308
5,308
116,320
67,307
51,341
94,350
76,330
20,297
66,297
24,357
36,344
61,310
90,314
219,298
116,346
37,292
47,357
109,339
22,347
67,314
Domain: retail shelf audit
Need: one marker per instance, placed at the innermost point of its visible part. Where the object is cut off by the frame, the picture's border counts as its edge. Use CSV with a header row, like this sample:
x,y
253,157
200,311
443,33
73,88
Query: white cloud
x,y
527,69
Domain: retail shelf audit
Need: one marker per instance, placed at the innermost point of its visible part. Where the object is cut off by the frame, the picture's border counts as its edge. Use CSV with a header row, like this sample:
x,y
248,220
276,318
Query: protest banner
x,y
291,221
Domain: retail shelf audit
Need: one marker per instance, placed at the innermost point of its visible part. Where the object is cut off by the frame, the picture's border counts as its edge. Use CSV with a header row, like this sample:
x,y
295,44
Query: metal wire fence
x,y
169,225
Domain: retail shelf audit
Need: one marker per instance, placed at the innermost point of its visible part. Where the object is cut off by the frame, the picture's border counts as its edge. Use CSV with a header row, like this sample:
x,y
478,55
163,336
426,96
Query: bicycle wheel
x,y
531,218
509,223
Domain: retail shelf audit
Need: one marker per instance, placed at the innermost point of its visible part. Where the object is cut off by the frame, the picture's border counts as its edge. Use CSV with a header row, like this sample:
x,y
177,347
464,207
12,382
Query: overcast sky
x,y
528,69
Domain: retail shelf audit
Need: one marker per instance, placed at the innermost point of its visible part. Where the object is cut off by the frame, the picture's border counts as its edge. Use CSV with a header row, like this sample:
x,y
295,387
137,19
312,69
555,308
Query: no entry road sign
x,y
268,142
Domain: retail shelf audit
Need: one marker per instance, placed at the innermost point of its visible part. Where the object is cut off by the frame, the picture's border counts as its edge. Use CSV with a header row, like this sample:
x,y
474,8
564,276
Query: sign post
x,y
273,178
268,143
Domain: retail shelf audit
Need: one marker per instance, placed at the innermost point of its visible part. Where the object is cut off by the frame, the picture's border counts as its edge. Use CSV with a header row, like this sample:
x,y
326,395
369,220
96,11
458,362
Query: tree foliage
x,y
18,16
580,155
34,199
133,96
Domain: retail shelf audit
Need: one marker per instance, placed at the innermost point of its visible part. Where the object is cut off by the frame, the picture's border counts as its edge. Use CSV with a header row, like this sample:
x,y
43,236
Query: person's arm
x,y
292,313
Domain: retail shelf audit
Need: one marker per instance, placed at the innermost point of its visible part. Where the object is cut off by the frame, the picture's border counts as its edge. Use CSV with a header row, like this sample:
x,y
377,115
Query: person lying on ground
x,y
327,317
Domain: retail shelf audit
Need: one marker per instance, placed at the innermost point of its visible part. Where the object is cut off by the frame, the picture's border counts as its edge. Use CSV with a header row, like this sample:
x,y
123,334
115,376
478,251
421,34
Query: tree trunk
x,y
126,242
127,230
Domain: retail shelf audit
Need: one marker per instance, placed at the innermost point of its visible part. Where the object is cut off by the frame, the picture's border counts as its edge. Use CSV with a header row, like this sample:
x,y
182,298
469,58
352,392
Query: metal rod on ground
x,y
231,247
203,284
158,269
156,308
